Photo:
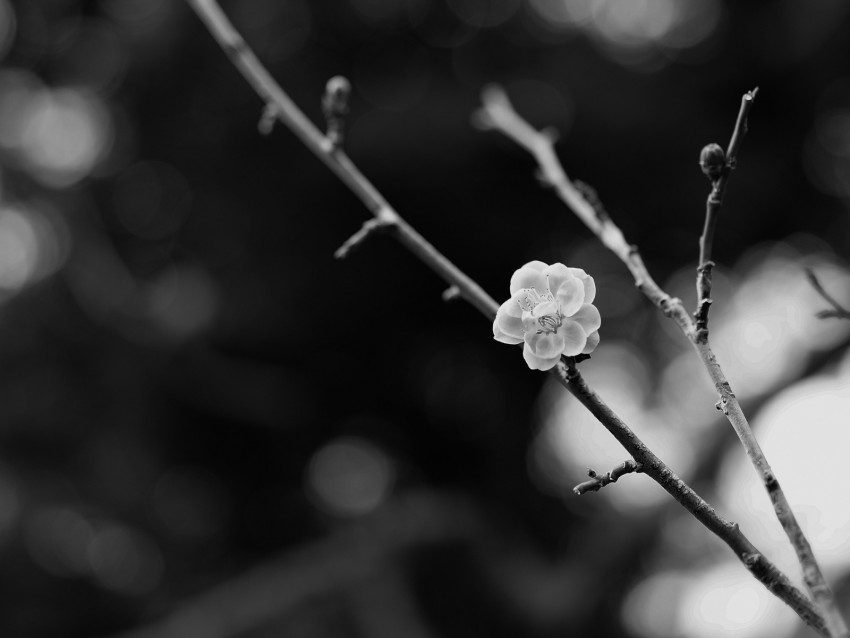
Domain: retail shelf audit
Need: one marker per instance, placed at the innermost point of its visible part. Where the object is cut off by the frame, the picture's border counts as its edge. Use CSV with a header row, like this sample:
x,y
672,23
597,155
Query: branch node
x,y
592,197
335,108
598,481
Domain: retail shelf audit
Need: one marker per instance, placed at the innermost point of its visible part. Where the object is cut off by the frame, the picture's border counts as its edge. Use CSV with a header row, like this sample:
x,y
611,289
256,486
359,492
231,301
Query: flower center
x,y
549,323
548,315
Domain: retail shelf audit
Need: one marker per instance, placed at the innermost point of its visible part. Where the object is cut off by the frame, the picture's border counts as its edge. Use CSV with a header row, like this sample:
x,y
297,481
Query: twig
x,y
498,113
598,481
717,167
838,310
244,59
382,221
758,565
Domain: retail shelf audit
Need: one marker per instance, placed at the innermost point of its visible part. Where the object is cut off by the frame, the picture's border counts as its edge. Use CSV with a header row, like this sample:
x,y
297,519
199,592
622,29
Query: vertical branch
x,y
717,167
498,113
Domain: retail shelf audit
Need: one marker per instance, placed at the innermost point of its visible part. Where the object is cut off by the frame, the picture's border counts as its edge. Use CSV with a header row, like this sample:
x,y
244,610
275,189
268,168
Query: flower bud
x,y
335,101
712,161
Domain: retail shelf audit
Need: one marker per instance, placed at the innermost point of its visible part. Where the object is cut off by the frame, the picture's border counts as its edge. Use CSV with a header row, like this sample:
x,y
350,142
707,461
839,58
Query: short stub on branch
x,y
381,222
598,481
268,118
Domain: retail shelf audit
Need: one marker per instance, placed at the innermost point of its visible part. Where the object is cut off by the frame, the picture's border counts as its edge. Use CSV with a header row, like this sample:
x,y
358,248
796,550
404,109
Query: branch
x,y
277,102
498,113
838,310
717,168
289,114
758,565
598,481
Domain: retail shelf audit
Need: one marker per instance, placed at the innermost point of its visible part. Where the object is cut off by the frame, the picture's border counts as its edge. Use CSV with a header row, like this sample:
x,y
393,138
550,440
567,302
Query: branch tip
x,y
369,227
451,293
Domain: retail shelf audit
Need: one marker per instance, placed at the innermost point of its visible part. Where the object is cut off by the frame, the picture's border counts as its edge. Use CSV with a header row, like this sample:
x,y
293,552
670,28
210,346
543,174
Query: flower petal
x,y
592,342
536,265
589,318
508,328
589,284
571,296
557,274
545,344
538,363
529,277
575,338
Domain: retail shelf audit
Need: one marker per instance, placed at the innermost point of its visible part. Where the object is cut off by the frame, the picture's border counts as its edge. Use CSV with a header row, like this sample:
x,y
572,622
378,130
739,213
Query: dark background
x,y
203,413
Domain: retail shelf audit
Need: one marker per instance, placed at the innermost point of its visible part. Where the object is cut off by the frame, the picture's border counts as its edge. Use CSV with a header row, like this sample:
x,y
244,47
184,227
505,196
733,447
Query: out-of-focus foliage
x,y
211,428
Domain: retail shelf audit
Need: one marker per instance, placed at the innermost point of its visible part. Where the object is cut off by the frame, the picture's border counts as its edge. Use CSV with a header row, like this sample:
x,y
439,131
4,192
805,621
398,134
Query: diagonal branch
x,y
327,150
566,373
498,113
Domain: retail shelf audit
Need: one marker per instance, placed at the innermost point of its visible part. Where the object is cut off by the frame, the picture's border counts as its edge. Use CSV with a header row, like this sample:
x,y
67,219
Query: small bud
x,y
335,100
712,161
335,107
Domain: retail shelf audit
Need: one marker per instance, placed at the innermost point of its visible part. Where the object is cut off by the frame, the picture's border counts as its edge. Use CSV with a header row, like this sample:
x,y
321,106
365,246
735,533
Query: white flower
x,y
551,310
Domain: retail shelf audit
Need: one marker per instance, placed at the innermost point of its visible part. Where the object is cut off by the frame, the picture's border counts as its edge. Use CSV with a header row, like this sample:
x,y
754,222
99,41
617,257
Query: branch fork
x,y
499,114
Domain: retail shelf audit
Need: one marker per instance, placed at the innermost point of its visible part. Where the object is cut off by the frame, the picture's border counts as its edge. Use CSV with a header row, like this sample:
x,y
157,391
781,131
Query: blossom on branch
x,y
551,311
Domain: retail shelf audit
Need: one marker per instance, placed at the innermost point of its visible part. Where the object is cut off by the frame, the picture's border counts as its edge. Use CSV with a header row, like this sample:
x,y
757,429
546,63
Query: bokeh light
x,y
183,300
725,600
349,476
57,135
634,32
32,246
804,434
572,440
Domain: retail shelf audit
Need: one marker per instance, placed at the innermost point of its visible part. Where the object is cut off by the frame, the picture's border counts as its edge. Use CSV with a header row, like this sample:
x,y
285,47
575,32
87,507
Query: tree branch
x,y
758,565
327,150
289,114
498,113
717,168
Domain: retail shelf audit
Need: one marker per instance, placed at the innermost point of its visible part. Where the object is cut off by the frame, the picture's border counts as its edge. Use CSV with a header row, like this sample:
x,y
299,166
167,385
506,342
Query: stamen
x,y
549,323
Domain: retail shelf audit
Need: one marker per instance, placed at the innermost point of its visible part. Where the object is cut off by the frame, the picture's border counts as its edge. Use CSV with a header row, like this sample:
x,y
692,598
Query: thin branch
x,y
598,481
838,310
758,565
381,222
717,168
244,59
498,113
262,82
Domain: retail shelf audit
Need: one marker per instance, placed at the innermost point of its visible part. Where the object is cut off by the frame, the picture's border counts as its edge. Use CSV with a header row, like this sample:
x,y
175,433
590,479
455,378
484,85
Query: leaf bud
x,y
712,161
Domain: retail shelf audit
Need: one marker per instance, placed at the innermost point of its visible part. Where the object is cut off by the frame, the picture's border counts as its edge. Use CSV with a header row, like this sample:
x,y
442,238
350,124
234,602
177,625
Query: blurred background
x,y
211,428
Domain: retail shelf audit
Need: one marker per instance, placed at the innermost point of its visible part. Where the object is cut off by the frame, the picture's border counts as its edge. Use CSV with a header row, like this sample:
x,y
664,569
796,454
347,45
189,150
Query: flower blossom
x,y
551,312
